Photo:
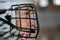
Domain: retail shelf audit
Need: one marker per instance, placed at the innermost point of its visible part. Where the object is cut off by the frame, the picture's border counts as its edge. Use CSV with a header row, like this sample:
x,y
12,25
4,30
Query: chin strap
x,y
23,34
26,35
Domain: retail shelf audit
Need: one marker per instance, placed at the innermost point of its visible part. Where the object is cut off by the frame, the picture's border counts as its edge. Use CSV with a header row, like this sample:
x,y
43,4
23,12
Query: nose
x,y
32,24
27,24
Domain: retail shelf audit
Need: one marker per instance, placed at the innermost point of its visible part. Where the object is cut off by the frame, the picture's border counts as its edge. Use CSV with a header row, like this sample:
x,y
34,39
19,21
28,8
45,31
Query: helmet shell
x,y
6,4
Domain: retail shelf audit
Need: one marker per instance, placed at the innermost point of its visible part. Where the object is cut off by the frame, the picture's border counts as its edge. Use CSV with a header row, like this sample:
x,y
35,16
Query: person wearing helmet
x,y
23,16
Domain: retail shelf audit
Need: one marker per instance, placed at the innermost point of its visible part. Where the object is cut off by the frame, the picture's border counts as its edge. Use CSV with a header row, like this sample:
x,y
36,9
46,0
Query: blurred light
x,y
43,3
56,2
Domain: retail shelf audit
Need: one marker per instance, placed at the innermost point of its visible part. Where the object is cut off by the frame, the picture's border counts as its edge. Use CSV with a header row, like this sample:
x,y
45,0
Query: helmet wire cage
x,y
17,8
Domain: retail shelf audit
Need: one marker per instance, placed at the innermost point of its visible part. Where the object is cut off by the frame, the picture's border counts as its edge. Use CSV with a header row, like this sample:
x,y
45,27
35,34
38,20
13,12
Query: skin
x,y
25,23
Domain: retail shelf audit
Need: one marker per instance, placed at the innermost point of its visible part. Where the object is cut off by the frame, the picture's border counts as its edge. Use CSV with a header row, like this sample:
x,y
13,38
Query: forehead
x,y
24,7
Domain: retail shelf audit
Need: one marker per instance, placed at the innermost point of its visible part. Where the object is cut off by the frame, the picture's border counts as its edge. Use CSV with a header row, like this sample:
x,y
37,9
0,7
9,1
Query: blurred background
x,y
49,19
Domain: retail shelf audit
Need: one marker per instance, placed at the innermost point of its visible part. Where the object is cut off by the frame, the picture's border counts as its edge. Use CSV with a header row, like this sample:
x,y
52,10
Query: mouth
x,y
25,30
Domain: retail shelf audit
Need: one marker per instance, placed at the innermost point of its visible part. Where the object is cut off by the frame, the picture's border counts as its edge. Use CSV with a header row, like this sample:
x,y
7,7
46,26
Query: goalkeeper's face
x,y
25,15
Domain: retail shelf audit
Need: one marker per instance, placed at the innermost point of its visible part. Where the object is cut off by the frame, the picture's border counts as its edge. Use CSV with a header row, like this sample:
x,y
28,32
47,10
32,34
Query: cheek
x,y
17,22
33,22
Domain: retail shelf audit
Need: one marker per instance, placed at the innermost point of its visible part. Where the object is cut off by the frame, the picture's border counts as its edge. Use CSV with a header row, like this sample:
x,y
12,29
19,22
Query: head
x,y
25,20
